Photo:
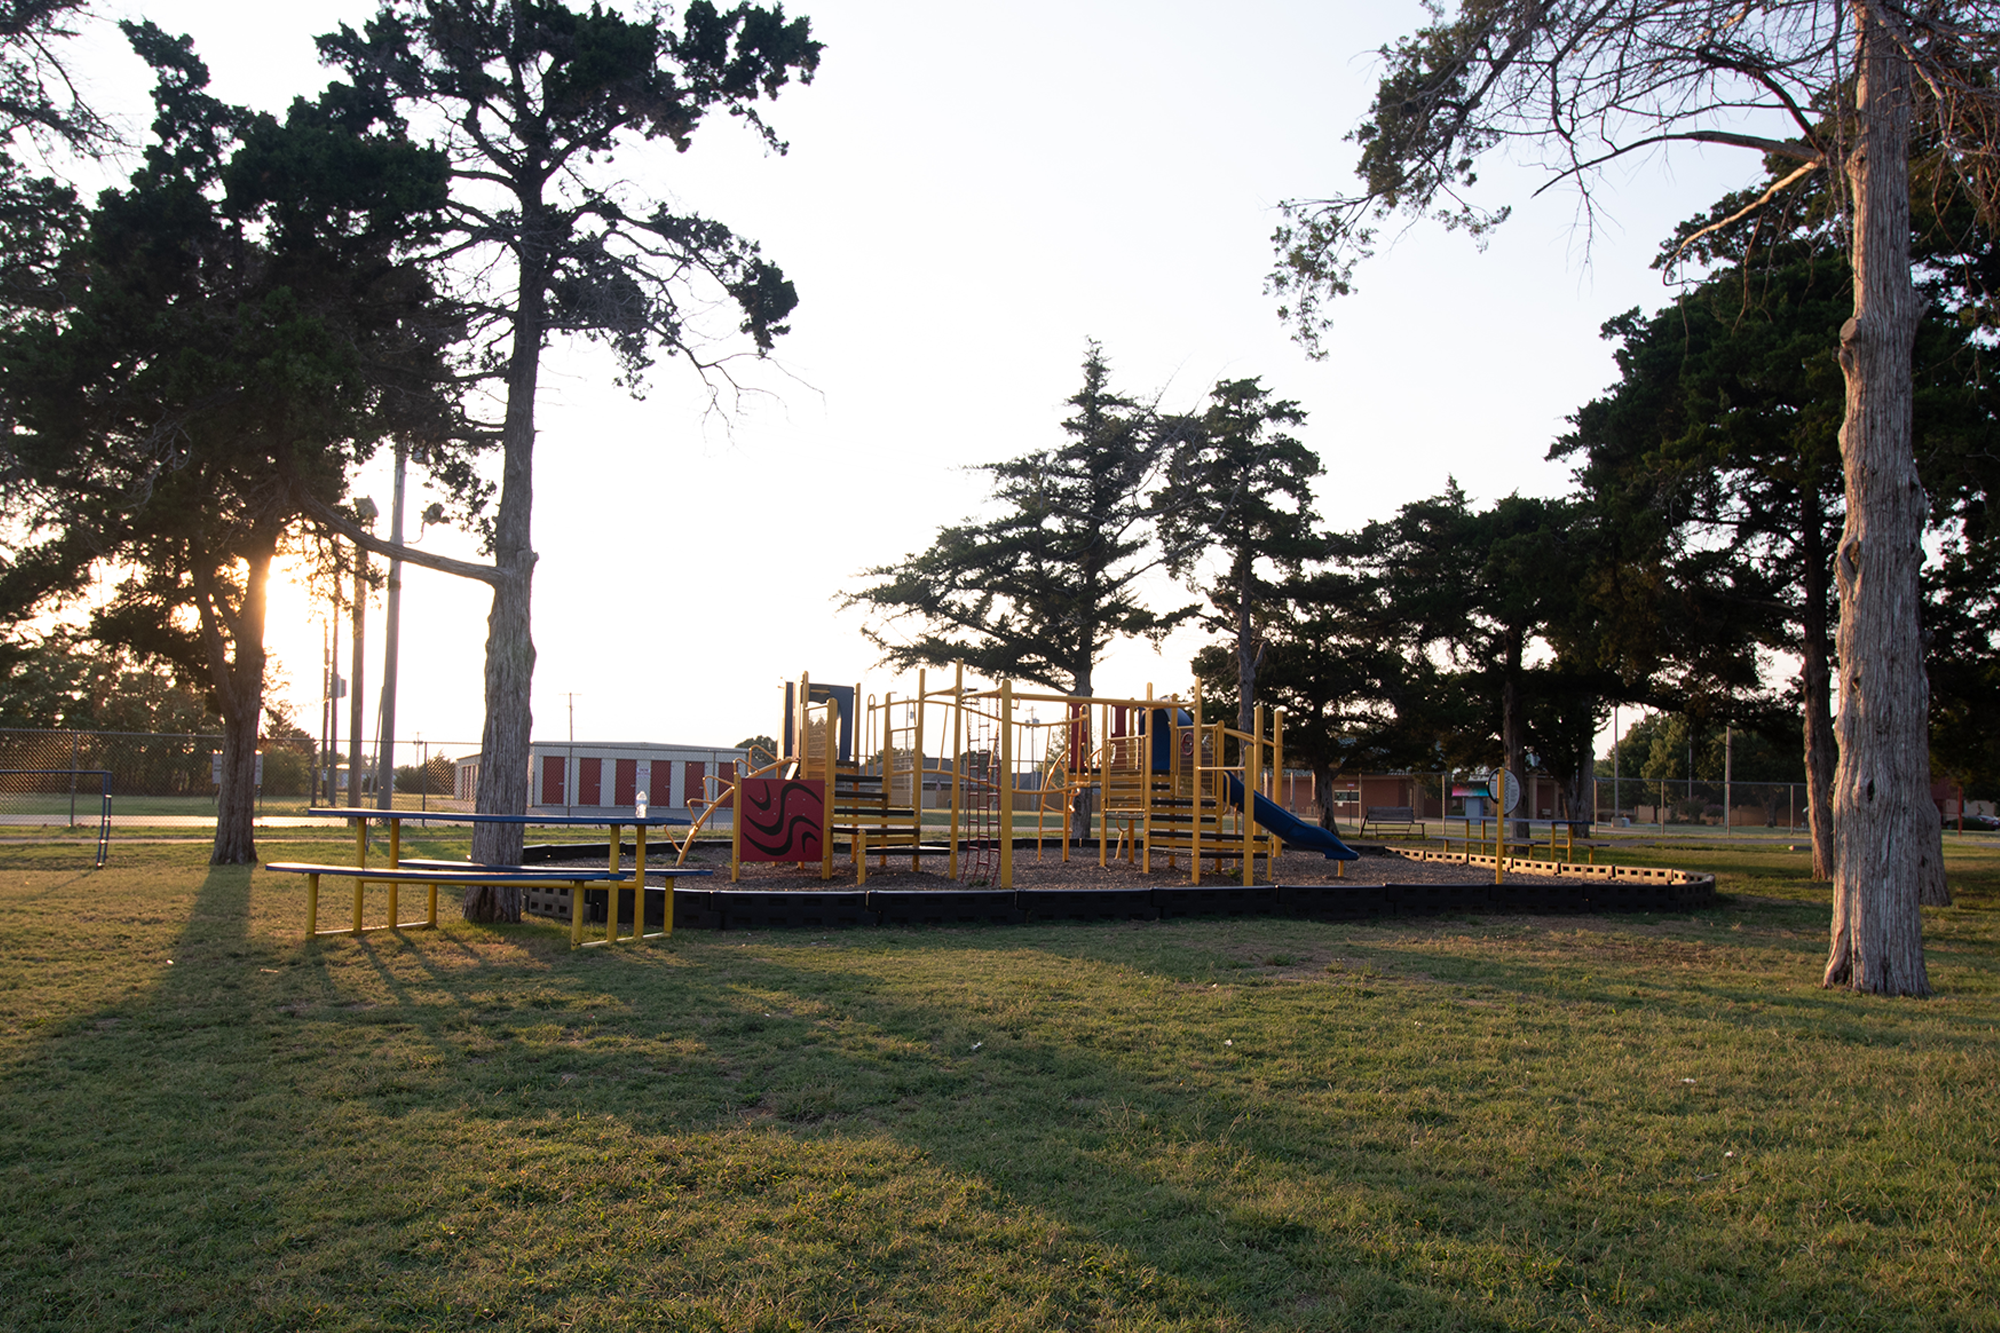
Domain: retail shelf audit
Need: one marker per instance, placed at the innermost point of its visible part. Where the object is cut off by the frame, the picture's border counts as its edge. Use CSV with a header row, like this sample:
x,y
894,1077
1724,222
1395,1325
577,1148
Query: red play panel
x,y
783,819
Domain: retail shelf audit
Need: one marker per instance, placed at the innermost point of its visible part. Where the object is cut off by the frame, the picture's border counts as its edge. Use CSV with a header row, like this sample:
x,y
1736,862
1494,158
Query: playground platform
x,y
1408,884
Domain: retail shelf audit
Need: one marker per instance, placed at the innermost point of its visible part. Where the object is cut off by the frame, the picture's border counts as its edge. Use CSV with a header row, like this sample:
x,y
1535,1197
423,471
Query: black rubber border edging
x,y
834,909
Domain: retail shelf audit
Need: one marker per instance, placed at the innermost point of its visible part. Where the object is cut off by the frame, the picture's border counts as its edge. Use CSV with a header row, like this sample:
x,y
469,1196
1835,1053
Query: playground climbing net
x,y
979,801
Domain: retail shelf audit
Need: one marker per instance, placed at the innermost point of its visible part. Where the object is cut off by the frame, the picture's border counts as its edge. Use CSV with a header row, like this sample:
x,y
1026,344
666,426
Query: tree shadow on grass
x,y
1028,1128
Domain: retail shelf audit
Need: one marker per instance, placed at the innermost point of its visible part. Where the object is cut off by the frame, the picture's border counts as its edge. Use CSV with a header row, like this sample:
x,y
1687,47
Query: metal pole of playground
x,y
1006,784
957,759
1506,791
1728,774
1614,763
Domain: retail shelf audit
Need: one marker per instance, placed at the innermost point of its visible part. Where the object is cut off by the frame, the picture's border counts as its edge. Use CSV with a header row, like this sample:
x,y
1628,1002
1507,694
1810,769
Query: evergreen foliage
x,y
231,333
1236,517
1039,591
533,102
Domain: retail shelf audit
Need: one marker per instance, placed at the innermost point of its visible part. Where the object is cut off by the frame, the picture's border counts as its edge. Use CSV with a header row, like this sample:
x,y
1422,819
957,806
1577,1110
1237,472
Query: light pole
x,y
385,741
365,511
569,763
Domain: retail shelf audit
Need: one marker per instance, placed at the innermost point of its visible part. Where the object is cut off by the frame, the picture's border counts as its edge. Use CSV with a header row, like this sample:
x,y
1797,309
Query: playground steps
x,y
860,804
824,909
1176,818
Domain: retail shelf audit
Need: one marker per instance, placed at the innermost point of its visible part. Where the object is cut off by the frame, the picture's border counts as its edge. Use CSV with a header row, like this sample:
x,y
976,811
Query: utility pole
x,y
385,743
364,509
334,689
1728,774
320,761
569,764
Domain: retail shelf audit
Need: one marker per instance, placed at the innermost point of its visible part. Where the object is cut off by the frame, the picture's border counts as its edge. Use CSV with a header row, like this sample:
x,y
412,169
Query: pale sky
x,y
970,195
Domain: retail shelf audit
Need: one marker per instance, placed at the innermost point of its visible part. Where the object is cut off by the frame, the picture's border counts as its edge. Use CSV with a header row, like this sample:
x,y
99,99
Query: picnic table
x,y
396,871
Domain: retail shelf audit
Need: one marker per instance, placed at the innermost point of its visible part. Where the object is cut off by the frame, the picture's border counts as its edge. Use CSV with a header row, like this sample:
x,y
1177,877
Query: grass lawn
x,y
1622,1123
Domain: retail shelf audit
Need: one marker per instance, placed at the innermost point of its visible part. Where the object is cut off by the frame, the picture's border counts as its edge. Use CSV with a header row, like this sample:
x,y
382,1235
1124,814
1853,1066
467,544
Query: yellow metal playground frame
x,y
1140,814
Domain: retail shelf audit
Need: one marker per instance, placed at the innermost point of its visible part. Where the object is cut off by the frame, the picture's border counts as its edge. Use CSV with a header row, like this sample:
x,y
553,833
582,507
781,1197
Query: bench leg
x,y
395,859
611,894
575,916
639,889
360,859
312,906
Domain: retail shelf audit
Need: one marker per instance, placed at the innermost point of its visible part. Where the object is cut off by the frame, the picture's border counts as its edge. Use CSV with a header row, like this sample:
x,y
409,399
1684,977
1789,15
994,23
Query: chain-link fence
x,y
154,774
176,775
1766,805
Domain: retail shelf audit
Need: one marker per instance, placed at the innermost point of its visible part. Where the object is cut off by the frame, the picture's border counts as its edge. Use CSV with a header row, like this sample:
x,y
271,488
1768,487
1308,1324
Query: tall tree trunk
x,y
1323,773
1815,681
1514,730
1246,654
1084,807
1885,828
1578,787
235,643
510,645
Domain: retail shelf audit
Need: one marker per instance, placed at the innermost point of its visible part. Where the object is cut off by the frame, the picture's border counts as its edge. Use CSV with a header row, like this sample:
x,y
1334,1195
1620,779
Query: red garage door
x,y
625,782
552,780
590,782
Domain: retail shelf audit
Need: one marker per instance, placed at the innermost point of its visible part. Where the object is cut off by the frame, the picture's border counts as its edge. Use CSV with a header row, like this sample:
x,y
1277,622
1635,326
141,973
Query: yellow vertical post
x,y
395,859
1103,783
312,906
1069,772
1038,760
639,888
957,761
1253,754
1174,769
801,725
611,888
735,832
831,773
917,781
1194,791
360,859
1146,782
1006,784
1499,826
575,916
1281,791
888,773
858,842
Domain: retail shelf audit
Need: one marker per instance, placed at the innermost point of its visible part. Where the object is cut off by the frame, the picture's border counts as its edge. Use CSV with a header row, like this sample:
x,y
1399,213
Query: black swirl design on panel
x,y
783,820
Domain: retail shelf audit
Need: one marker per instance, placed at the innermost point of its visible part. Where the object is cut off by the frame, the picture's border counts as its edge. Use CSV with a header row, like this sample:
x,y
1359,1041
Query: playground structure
x,y
1150,781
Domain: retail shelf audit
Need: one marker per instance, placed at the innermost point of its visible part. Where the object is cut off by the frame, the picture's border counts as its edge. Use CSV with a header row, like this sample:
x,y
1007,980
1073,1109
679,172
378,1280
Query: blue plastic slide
x,y
1291,830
